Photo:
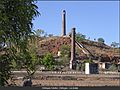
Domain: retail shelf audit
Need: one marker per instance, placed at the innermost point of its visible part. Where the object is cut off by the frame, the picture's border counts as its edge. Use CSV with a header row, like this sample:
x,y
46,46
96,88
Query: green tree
x,y
39,32
15,27
79,37
50,35
48,61
114,44
28,60
101,40
65,50
113,67
65,54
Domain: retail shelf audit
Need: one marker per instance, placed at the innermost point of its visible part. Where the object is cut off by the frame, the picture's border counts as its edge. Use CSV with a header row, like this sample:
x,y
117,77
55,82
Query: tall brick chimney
x,y
63,23
73,58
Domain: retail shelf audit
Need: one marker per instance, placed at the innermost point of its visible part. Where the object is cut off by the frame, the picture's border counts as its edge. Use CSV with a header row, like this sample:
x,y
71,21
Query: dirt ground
x,y
70,79
82,82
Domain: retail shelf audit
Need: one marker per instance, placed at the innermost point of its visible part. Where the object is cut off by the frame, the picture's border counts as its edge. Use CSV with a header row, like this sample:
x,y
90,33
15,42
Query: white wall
x,y
87,68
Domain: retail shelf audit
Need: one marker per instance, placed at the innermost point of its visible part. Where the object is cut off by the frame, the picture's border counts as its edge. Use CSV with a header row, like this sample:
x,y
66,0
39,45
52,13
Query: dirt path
x,y
72,82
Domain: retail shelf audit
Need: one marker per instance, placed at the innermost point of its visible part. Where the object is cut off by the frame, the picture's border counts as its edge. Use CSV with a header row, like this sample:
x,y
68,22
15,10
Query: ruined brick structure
x,y
73,59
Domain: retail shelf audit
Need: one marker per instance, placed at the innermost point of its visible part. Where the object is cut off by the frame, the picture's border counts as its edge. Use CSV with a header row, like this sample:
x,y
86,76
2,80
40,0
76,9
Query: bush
x,y
101,40
65,51
79,37
48,61
65,55
113,67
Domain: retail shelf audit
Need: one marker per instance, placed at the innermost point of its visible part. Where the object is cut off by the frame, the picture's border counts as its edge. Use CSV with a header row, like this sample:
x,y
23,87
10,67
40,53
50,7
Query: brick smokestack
x,y
73,58
63,23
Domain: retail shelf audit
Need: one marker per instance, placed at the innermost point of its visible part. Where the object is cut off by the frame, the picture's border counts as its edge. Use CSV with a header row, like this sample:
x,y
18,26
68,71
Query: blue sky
x,y
94,19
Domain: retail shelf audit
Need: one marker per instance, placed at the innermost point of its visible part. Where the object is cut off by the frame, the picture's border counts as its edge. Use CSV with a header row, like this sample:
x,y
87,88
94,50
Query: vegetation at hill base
x,y
65,55
48,61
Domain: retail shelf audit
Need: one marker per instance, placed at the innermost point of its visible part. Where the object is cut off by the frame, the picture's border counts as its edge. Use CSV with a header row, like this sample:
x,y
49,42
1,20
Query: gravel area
x,y
81,82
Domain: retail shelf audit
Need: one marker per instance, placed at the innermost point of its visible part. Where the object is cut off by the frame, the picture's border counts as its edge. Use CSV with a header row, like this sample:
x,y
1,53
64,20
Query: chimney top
x,y
64,11
73,28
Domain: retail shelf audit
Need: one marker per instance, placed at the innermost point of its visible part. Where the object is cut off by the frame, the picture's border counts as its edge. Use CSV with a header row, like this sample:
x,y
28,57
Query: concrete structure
x,y
73,59
87,68
59,53
63,23
101,65
104,65
91,68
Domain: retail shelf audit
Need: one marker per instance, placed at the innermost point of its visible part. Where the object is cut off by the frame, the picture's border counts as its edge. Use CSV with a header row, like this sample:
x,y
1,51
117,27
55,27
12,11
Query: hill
x,y
100,51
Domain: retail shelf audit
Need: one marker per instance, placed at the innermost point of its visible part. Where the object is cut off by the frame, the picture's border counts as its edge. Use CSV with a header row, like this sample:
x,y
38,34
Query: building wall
x,y
91,68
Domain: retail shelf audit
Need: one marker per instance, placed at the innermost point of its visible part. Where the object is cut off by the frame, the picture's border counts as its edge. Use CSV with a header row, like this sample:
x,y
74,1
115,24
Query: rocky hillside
x,y
98,50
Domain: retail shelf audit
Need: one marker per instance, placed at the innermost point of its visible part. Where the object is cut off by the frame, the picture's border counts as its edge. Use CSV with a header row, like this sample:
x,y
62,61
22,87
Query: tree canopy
x,y
48,61
15,28
39,32
101,40
80,36
114,44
